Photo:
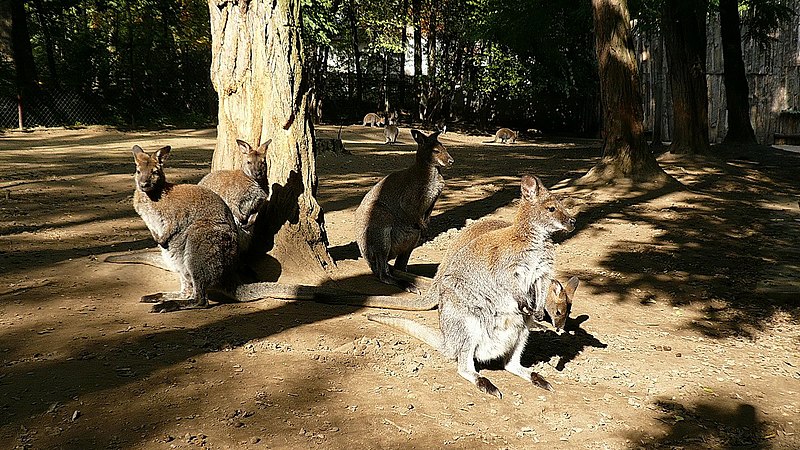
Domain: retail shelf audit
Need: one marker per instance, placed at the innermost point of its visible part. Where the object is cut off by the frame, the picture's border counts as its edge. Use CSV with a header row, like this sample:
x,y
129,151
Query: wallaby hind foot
x,y
175,305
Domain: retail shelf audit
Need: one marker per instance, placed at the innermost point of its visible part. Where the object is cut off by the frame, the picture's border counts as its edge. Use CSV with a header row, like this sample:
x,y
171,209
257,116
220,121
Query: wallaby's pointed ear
x,y
263,147
572,286
137,150
418,136
244,147
531,186
163,153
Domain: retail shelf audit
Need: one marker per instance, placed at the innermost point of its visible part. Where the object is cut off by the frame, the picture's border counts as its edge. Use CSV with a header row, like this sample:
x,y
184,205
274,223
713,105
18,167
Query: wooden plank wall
x,y
773,73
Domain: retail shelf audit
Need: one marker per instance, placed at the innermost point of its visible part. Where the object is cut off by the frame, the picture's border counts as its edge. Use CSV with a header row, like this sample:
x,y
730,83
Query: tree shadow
x,y
706,425
725,244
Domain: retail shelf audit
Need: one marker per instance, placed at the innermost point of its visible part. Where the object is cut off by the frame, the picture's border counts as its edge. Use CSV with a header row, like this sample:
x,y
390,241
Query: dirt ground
x,y
685,328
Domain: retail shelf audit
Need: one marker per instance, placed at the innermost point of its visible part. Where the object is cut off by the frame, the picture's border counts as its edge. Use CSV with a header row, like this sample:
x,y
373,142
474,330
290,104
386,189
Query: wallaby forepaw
x,y
539,381
152,298
486,386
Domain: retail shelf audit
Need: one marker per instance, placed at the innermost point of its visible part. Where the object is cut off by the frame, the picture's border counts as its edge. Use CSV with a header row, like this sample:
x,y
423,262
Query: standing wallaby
x,y
395,213
492,289
372,119
192,226
391,131
245,191
506,134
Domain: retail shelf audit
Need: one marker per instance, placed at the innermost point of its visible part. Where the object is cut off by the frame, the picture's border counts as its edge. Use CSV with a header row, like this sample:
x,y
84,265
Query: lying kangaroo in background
x,y
395,213
506,134
492,289
372,119
245,191
192,226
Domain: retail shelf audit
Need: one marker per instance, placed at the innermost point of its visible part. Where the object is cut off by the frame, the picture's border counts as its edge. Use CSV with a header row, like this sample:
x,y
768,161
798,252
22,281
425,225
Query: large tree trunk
x,y
737,92
257,70
684,26
415,13
625,152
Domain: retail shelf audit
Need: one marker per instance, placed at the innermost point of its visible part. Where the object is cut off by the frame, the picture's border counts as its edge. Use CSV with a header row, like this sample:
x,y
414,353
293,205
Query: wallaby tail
x,y
256,291
424,333
147,257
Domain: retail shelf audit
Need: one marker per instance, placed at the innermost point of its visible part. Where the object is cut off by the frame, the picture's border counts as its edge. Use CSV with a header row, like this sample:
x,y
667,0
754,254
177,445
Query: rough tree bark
x,y
625,152
737,92
257,70
684,26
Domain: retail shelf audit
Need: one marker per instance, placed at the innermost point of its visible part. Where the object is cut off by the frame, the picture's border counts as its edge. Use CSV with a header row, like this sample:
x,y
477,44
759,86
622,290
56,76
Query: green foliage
x,y
761,17
138,61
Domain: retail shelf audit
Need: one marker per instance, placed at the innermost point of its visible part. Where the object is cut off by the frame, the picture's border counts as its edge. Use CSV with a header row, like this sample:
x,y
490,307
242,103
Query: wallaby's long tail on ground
x,y
148,257
424,333
256,291
323,294
419,280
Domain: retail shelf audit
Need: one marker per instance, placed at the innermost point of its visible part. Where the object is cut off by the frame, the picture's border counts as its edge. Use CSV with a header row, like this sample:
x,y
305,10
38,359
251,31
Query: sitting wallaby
x,y
506,134
245,191
395,213
492,289
372,119
192,226
391,131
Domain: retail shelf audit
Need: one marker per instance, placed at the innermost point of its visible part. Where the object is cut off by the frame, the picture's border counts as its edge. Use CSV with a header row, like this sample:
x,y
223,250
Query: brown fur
x,y
192,226
395,213
506,134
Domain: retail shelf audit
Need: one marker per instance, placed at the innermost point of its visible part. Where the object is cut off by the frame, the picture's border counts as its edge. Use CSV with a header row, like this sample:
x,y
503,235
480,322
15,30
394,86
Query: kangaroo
x,y
372,119
245,191
193,228
391,131
395,213
506,134
492,289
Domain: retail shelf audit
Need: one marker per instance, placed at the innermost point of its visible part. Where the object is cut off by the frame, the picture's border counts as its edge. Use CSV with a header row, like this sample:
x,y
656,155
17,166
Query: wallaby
x,y
372,119
506,134
192,226
395,213
491,290
391,131
245,191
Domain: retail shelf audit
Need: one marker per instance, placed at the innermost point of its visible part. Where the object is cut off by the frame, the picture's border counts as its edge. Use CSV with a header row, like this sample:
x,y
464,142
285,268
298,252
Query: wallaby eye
x,y
551,209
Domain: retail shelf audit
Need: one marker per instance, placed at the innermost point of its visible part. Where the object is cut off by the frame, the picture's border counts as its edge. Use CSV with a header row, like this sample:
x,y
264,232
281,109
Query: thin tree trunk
x,y
263,94
415,13
737,92
385,82
356,50
625,152
658,90
684,25
15,43
401,91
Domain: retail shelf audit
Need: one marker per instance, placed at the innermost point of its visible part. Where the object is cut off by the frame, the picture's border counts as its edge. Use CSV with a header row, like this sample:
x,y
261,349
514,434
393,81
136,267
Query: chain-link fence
x,y
51,107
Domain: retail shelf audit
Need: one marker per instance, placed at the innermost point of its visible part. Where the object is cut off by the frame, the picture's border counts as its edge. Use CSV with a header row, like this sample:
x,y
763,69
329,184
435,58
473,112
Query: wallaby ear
x,y
244,147
531,187
163,153
137,150
418,136
571,286
263,147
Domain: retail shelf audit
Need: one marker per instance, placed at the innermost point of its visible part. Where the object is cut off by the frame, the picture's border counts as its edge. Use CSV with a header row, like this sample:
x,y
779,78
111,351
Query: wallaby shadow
x,y
706,425
544,345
